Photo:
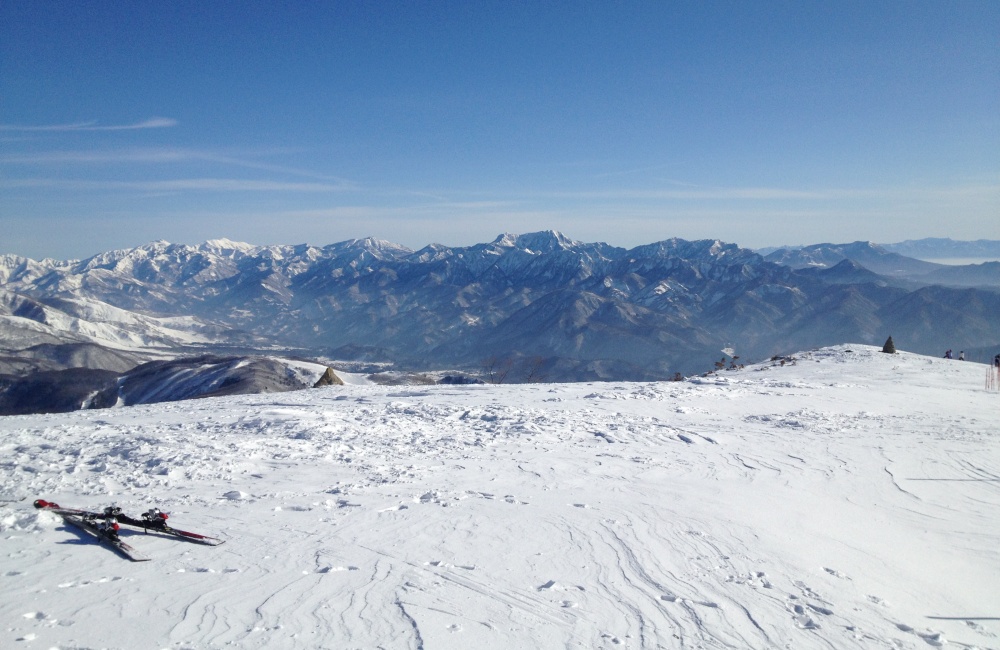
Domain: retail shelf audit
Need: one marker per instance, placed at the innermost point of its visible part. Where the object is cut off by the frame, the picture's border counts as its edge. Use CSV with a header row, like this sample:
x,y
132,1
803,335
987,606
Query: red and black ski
x,y
153,520
106,534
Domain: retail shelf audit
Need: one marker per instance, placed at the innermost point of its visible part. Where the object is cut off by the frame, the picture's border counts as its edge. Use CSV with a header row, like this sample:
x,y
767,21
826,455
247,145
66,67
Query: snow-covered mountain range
x,y
883,260
930,249
187,377
539,304
838,498
944,248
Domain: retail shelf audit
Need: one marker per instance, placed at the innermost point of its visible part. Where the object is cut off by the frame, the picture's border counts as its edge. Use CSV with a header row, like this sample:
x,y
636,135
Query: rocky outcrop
x,y
329,378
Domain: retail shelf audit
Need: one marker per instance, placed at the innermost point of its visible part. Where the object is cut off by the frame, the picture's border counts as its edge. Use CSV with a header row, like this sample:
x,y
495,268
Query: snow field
x,y
848,500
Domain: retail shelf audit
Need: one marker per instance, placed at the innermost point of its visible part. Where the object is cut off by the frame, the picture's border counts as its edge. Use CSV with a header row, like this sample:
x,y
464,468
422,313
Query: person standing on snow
x,y
961,355
947,355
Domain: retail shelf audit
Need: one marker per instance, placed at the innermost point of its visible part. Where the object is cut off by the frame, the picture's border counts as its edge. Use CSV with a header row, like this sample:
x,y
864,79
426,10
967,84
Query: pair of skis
x,y
105,526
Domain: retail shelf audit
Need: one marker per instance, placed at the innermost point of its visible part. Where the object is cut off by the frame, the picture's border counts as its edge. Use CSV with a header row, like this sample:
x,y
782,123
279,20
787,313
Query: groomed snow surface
x,y
850,499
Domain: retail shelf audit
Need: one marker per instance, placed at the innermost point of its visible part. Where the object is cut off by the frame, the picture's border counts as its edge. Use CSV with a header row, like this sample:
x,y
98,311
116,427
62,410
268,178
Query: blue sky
x,y
759,123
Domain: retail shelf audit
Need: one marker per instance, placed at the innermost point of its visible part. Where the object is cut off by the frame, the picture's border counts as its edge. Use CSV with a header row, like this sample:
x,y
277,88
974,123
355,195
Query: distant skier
x,y
947,355
961,355
996,361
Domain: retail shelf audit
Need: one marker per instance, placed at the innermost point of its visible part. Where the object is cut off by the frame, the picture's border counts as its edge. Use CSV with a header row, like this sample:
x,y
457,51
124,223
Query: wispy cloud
x,y
165,156
181,184
98,157
713,193
151,123
895,193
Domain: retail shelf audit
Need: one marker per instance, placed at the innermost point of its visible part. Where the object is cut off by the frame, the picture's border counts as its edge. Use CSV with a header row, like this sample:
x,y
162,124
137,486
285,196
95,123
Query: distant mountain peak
x,y
544,241
376,245
868,254
870,245
675,247
942,248
225,245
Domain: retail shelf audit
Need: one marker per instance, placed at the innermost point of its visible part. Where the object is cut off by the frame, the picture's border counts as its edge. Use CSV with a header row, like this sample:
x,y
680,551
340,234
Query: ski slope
x,y
850,499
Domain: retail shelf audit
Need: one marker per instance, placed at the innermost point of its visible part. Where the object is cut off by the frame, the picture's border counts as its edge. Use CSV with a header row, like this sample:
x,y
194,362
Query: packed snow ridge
x,y
837,498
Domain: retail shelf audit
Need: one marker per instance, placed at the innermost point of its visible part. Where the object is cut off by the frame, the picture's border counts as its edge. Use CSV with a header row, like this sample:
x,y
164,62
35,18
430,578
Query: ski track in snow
x,y
848,500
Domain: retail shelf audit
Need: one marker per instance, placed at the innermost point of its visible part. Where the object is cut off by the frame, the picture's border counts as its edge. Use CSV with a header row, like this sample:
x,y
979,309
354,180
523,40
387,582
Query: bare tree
x,y
533,370
495,369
